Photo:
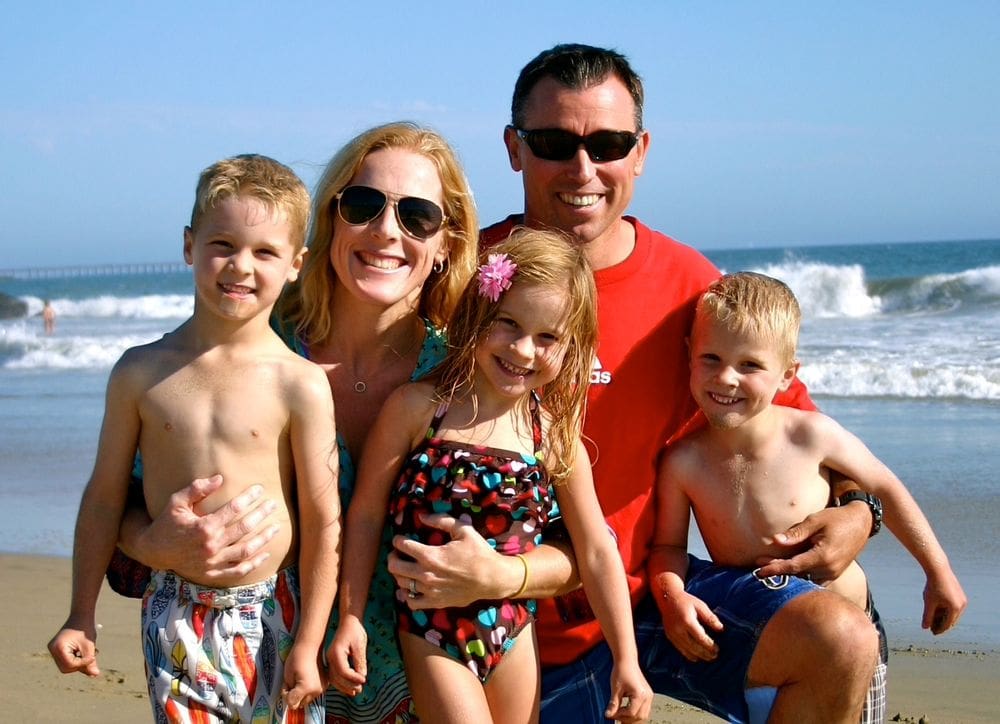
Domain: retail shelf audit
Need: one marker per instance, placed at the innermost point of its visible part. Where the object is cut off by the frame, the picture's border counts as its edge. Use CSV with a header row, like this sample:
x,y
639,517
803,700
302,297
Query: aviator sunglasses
x,y
555,144
359,205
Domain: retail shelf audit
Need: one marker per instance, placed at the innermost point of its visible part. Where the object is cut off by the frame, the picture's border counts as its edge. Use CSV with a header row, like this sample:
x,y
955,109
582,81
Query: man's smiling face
x,y
578,196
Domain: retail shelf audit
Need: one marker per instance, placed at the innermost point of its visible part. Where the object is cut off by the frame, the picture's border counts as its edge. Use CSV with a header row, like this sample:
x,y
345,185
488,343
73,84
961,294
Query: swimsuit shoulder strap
x,y
535,407
439,414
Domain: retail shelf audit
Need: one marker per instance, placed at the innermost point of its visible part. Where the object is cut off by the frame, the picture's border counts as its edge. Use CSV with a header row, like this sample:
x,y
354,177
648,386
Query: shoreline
x,y
940,685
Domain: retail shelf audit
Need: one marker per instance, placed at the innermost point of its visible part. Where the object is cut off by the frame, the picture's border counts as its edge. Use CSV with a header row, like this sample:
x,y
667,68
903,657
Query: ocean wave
x,y
861,378
940,292
829,290
149,306
22,348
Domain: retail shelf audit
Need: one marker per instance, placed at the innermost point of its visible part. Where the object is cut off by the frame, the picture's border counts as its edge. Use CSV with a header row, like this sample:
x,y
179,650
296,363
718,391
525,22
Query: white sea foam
x,y
825,290
70,352
930,336
874,378
149,306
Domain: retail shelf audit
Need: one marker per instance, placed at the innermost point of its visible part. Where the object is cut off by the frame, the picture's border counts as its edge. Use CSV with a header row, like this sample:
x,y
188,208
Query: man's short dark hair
x,y
577,67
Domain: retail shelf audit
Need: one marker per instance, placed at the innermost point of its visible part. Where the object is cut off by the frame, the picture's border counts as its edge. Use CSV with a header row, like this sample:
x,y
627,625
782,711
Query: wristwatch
x,y
872,501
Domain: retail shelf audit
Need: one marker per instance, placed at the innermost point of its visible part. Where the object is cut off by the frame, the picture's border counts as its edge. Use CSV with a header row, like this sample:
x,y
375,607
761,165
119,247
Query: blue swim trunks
x,y
744,604
579,691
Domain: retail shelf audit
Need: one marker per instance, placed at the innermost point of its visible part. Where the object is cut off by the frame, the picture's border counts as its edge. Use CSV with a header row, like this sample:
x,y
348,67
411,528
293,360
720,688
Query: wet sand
x,y
938,685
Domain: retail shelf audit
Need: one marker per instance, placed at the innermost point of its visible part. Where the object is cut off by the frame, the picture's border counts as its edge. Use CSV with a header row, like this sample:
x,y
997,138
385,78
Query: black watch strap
x,y
873,503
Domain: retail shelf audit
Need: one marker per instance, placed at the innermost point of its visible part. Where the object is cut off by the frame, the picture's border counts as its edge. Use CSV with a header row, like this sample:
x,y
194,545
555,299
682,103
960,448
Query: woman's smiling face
x,y
379,261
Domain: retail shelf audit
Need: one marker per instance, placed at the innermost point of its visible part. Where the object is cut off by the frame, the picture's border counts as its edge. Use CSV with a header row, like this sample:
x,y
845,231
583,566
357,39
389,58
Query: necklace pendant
x,y
360,386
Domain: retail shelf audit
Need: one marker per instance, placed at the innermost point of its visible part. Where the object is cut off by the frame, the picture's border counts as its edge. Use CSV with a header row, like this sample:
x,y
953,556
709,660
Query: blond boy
x,y
222,395
756,468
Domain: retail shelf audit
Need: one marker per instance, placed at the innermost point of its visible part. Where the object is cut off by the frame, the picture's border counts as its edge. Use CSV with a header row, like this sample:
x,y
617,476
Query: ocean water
x,y
900,343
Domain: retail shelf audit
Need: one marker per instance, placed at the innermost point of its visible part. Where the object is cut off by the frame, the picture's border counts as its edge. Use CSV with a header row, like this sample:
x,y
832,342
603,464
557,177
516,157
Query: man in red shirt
x,y
576,136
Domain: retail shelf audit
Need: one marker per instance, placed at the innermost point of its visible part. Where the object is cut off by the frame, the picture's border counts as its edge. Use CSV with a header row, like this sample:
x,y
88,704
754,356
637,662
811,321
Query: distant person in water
x,y
49,317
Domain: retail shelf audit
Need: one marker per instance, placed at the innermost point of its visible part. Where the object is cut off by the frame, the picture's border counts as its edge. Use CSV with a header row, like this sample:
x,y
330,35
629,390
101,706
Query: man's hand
x,y
463,570
835,537
226,542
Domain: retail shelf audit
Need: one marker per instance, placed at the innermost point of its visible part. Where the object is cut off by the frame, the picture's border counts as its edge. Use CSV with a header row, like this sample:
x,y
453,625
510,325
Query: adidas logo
x,y
597,374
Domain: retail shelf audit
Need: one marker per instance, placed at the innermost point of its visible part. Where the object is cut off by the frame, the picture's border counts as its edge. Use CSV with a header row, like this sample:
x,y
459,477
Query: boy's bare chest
x,y
775,484
240,406
741,503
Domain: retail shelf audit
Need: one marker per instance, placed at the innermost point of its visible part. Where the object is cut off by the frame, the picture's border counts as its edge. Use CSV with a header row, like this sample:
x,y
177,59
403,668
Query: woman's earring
x,y
438,266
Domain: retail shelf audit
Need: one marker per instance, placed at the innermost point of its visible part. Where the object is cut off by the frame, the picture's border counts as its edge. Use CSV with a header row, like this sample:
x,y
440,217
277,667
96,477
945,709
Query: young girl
x,y
487,441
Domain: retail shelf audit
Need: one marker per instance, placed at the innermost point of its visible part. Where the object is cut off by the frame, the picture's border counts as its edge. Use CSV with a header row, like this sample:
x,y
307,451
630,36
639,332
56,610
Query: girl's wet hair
x,y
552,260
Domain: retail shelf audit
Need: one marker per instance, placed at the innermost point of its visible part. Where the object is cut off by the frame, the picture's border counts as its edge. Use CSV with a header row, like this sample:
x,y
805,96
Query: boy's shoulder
x,y
685,456
294,371
804,425
146,358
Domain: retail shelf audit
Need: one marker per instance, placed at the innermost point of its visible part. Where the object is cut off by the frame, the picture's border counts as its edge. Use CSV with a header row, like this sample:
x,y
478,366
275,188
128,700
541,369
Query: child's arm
x,y
389,441
73,648
603,576
685,617
944,599
314,450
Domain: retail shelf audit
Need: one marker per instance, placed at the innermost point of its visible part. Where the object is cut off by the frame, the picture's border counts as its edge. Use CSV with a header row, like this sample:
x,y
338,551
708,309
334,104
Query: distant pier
x,y
96,270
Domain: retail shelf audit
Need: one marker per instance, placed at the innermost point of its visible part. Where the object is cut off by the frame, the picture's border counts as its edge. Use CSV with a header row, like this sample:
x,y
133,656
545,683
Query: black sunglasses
x,y
359,205
555,144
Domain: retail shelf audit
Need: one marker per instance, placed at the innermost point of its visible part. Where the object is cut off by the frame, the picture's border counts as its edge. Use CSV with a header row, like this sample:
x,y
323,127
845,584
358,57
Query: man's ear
x,y
641,149
513,143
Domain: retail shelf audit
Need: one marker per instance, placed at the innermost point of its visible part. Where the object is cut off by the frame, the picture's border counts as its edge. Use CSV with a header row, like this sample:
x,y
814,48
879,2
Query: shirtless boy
x,y
223,395
757,468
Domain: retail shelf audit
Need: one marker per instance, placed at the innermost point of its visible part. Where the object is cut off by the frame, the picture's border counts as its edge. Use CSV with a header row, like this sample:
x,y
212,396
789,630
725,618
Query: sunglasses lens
x,y
557,145
361,204
553,145
420,217
609,145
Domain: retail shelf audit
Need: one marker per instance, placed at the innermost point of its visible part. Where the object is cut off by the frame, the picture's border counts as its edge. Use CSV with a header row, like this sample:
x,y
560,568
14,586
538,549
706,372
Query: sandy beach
x,y
940,686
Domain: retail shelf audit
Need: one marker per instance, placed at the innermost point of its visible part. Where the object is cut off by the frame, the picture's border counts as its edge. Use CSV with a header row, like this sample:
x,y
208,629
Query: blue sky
x,y
773,124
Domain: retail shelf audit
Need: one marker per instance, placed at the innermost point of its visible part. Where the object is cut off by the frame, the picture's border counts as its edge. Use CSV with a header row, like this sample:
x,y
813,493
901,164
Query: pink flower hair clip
x,y
495,276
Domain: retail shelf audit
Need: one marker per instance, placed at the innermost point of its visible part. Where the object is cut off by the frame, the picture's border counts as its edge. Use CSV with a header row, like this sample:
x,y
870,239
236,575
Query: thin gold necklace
x,y
361,386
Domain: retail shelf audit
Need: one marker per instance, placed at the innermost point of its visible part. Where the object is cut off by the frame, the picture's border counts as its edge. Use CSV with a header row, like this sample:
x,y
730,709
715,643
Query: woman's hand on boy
x,y
205,546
